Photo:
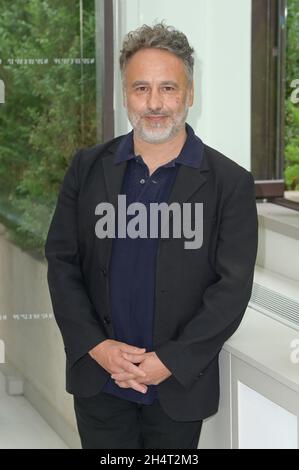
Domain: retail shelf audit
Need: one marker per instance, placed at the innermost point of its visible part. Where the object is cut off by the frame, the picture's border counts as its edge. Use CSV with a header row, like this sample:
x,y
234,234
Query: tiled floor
x,y
21,427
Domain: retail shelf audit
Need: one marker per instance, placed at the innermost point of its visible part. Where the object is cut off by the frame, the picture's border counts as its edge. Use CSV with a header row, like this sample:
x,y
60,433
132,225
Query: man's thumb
x,y
131,349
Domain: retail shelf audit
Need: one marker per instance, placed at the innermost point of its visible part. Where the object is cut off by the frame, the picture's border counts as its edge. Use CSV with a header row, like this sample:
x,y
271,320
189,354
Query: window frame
x,y
268,62
104,42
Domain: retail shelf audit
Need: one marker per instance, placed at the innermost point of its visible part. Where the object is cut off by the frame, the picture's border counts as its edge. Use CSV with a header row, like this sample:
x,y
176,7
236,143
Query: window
x,y
52,68
292,97
274,62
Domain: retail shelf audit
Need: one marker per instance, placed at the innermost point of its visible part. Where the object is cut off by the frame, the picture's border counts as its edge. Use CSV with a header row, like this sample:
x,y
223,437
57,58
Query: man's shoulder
x,y
98,151
87,161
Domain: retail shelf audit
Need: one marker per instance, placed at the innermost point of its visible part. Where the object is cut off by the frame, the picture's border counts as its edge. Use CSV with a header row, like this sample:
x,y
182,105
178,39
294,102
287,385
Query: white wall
x,y
220,32
33,345
263,424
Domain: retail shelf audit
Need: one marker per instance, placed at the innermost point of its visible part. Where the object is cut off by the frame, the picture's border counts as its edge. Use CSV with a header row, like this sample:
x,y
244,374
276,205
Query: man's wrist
x,y
97,347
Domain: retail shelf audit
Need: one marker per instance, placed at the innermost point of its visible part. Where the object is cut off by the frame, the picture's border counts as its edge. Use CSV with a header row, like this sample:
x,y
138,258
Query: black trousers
x,y
108,422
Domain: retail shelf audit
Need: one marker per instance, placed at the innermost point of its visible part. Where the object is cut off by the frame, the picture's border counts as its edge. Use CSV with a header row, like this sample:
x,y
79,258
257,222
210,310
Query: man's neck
x,y
155,155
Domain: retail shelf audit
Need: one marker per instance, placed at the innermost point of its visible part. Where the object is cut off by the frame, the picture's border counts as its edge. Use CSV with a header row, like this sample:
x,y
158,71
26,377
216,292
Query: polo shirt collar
x,y
190,155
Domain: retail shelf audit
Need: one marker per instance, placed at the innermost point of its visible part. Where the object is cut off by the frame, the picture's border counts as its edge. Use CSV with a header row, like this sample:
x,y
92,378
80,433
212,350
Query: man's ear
x,y
124,97
191,94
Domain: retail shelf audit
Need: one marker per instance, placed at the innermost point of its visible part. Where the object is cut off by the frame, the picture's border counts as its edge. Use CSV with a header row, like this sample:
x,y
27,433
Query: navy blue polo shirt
x,y
133,260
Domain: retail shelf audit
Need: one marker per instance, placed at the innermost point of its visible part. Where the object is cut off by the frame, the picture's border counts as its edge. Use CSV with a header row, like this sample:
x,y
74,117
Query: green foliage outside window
x,y
292,109
45,118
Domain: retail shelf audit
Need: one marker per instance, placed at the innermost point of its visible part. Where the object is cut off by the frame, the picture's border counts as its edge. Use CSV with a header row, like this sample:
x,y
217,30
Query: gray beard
x,y
150,135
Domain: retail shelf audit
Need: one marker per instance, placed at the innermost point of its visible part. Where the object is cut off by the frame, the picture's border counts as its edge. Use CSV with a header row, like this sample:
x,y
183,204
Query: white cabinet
x,y
259,404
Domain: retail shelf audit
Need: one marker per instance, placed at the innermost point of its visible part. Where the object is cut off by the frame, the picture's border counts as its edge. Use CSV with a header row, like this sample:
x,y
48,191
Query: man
x,y
143,319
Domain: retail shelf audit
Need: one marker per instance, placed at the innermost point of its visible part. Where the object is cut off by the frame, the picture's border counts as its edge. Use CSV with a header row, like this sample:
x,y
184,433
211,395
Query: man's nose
x,y
155,100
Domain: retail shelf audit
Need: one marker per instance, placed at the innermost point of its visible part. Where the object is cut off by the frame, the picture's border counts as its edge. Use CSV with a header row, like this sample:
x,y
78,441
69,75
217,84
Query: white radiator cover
x,y
276,296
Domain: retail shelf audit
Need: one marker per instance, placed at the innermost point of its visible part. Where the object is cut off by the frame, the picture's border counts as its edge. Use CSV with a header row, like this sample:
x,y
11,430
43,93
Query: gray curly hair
x,y
159,36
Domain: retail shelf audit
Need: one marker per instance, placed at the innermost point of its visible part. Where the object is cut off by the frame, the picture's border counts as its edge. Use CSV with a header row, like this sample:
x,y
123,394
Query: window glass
x,y
292,97
47,106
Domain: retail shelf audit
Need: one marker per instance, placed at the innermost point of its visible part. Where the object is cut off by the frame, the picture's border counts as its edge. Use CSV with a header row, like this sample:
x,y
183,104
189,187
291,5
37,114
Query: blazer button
x,y
104,271
107,320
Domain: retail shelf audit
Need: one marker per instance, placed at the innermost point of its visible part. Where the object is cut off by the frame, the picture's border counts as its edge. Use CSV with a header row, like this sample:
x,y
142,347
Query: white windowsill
x,y
278,219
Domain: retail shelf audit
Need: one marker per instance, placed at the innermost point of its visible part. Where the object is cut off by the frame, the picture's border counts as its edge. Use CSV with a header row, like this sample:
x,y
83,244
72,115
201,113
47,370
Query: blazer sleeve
x,y
73,310
224,302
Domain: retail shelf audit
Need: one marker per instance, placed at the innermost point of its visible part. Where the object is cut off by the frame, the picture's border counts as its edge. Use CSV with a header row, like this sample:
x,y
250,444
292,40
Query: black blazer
x,y
201,294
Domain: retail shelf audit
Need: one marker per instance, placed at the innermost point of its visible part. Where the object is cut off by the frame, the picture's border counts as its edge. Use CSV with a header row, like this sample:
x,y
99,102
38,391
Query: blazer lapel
x,y
113,175
187,182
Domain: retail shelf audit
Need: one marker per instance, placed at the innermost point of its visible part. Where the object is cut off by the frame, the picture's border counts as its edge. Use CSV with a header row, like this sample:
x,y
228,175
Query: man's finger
x,y
132,384
124,376
131,349
120,376
129,367
136,358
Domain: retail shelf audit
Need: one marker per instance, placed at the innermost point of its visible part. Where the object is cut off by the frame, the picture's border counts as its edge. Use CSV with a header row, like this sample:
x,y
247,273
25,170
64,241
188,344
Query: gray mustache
x,y
155,114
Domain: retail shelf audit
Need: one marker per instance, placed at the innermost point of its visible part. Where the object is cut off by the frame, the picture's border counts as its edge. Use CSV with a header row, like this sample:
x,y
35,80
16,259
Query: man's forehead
x,y
148,64
161,82
152,56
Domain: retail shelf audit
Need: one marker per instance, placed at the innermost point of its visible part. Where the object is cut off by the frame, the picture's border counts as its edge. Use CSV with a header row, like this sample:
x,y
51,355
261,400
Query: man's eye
x,y
141,89
168,88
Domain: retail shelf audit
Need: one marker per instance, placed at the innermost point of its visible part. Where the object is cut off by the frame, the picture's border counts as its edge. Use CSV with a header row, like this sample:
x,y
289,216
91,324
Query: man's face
x,y
157,94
